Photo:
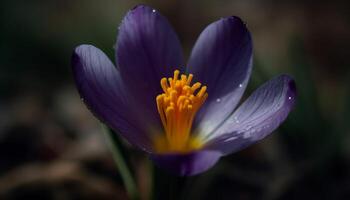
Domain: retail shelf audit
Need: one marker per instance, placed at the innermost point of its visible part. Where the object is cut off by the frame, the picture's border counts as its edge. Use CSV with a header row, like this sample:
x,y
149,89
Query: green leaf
x,y
120,159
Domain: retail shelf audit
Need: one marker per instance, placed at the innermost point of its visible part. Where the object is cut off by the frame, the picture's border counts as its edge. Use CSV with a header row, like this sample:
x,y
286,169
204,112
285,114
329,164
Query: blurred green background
x,y
51,147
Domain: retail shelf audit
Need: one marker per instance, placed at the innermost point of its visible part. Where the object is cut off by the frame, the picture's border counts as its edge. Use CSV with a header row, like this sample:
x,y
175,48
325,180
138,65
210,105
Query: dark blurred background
x,y
51,147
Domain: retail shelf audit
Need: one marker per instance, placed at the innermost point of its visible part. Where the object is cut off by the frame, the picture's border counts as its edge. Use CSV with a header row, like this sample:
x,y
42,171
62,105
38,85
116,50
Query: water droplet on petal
x,y
153,10
218,100
289,98
248,128
230,139
267,126
240,85
246,135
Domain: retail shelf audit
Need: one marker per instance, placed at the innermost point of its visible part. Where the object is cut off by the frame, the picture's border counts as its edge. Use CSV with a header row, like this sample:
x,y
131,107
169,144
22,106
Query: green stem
x,y
126,175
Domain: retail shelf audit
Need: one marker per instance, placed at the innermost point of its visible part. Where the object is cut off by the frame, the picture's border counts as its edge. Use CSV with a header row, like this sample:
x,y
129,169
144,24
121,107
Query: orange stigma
x,y
177,107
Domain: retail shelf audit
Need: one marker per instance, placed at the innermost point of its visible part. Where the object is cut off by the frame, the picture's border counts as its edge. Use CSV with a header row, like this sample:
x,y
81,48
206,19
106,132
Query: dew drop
x,y
153,10
289,98
246,135
218,100
230,139
248,128
240,85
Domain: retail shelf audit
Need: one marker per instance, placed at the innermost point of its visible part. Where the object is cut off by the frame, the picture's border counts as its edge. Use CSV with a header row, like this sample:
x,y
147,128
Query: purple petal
x,y
222,60
257,117
100,87
187,164
147,50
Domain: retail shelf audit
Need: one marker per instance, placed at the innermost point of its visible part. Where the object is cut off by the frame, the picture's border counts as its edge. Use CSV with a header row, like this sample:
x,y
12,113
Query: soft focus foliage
x,y
51,147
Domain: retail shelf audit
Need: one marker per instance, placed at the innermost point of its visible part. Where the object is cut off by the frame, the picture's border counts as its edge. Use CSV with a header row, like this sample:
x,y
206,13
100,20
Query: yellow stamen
x,y
177,107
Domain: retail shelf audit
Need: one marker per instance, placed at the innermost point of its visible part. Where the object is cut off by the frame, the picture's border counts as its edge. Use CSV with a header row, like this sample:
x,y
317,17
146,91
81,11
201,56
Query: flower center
x,y
177,107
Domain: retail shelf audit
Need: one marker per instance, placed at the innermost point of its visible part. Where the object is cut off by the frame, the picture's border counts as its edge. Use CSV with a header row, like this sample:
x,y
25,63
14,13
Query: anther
x,y
177,107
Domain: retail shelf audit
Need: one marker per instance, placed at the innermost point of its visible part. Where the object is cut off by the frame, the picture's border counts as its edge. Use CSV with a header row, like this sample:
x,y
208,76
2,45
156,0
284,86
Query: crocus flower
x,y
184,116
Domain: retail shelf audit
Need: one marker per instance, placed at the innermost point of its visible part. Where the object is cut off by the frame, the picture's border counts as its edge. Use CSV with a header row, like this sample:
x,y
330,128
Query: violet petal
x,y
187,164
257,117
147,50
101,89
222,60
